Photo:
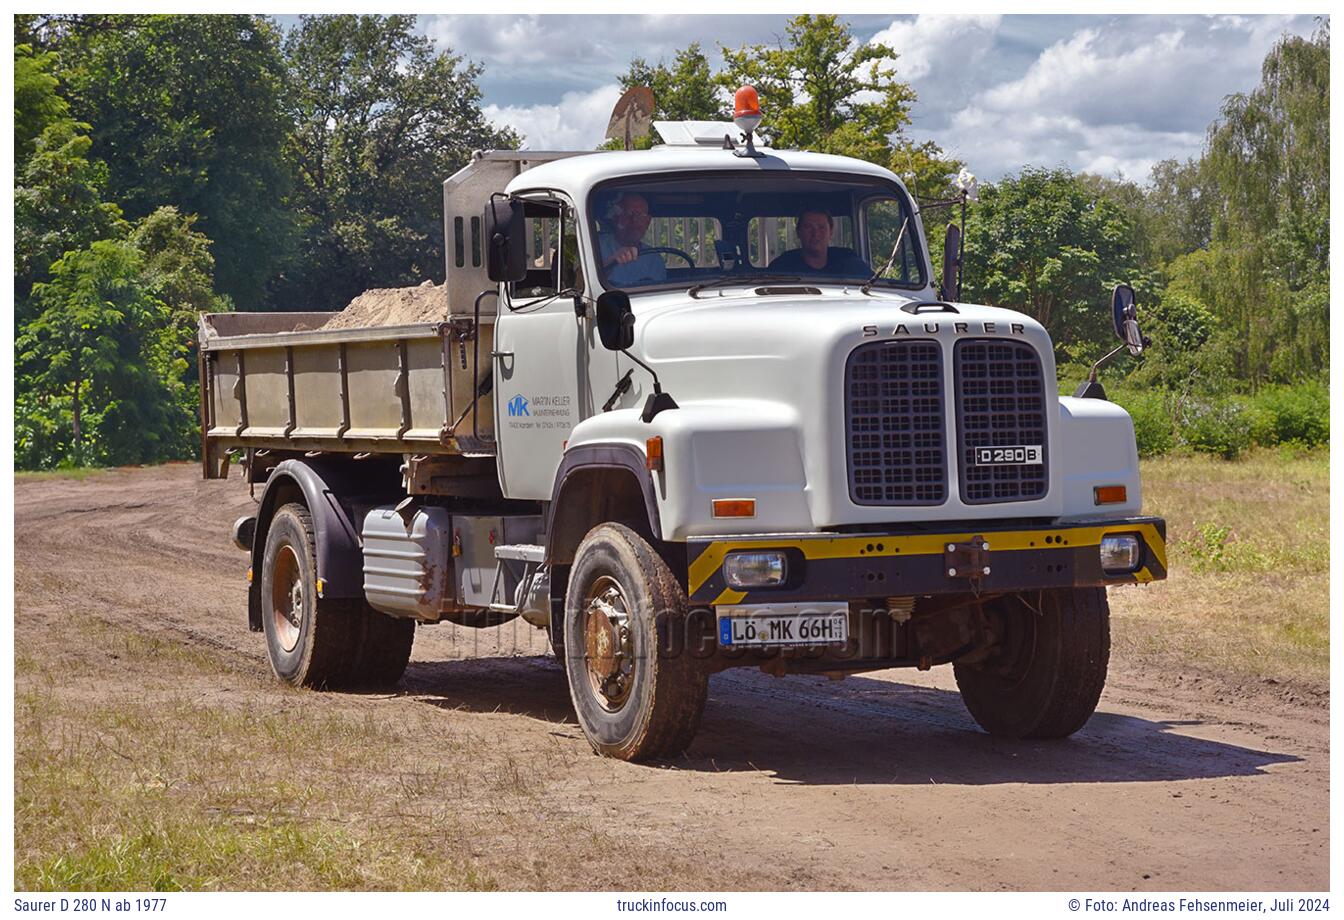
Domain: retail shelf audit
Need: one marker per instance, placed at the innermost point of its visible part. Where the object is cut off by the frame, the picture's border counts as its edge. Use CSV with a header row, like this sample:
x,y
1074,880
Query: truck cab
x,y
821,448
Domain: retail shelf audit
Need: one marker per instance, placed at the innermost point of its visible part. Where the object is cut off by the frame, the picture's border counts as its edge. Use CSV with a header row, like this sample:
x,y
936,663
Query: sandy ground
x,y
1182,781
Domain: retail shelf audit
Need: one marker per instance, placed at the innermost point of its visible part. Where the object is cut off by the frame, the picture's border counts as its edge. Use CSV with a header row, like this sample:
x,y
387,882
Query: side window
x,y
552,252
770,237
885,218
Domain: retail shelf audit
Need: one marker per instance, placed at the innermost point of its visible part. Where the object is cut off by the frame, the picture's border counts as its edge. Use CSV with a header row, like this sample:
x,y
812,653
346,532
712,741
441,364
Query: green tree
x,y
99,374
1177,211
380,120
178,267
186,110
1257,206
58,206
823,90
1049,244
37,102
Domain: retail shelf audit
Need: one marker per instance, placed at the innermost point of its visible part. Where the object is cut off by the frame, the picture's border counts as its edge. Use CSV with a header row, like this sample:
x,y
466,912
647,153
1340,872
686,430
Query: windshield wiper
x,y
868,285
740,279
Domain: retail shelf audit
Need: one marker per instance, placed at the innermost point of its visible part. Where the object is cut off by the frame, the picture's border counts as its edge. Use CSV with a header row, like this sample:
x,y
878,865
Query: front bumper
x,y
898,564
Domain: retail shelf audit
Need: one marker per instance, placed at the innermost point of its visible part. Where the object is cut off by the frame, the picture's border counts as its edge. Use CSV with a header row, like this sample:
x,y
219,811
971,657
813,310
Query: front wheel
x,y
638,690
1047,672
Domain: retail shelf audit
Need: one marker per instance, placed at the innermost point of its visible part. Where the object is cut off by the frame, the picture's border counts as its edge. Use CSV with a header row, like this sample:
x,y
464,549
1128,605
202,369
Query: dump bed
x,y
278,381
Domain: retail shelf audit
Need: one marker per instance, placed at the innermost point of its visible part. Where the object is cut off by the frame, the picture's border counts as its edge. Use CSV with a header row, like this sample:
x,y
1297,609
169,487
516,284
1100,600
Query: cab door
x,y
549,365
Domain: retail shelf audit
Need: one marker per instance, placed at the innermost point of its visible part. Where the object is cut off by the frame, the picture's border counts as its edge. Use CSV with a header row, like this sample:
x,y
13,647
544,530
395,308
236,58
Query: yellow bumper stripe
x,y
709,561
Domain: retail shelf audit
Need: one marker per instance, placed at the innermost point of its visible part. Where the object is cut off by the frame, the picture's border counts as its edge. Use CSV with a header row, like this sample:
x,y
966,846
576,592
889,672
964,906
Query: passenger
x,y
815,254
622,249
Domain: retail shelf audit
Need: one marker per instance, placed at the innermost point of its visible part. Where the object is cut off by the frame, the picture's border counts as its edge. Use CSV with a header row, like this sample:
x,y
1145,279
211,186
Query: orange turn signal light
x,y
653,453
734,507
1110,495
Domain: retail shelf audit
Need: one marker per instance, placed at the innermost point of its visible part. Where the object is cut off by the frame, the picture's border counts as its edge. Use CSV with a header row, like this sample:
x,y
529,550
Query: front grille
x,y
894,424
1000,403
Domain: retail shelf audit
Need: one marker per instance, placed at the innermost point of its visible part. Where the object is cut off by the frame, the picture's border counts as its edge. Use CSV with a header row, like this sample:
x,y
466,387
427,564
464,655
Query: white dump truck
x,y
686,409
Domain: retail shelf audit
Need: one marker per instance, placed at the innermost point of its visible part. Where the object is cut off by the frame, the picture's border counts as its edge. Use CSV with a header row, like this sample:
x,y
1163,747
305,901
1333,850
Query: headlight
x,y
755,570
1120,553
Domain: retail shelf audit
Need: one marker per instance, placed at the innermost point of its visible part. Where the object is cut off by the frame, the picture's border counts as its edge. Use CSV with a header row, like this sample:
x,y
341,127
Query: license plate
x,y
784,625
1008,456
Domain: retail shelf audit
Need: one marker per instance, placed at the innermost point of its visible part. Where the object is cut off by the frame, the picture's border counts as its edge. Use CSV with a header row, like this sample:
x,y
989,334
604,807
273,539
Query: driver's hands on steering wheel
x,y
624,255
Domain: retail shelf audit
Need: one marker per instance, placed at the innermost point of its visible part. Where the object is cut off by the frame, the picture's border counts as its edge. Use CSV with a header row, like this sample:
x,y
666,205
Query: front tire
x,y
1047,674
638,690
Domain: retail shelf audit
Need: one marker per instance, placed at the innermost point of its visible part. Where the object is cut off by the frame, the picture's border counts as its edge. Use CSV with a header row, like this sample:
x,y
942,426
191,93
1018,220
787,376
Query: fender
x,y
340,559
601,456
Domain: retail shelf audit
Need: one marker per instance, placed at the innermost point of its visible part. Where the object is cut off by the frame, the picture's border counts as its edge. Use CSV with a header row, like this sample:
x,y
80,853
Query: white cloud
x,y
926,42
1114,96
578,122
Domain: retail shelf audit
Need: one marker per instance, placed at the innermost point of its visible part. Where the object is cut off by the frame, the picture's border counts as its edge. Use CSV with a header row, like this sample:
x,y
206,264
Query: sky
x,y
1108,94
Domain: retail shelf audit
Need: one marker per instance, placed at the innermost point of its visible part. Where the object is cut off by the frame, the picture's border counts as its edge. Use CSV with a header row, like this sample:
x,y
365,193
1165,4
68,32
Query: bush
x,y
1298,414
1215,427
1151,413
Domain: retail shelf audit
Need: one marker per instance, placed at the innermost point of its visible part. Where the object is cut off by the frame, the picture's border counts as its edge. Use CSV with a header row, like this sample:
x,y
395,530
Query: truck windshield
x,y
680,231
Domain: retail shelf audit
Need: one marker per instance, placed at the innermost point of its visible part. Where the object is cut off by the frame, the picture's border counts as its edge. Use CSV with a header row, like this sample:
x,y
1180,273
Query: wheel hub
x,y
287,598
607,647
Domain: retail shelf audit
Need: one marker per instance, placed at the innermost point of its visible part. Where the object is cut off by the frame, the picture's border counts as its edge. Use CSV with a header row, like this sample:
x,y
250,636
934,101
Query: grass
x,y
74,472
1249,553
144,764
126,788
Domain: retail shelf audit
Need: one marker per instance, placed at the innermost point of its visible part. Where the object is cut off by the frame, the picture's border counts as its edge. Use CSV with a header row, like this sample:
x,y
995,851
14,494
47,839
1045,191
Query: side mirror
x,y
951,263
1124,314
615,322
505,245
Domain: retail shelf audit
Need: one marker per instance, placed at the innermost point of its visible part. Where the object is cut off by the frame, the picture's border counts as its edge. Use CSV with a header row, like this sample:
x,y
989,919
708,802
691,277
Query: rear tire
x,y
310,641
384,650
638,690
325,643
1046,677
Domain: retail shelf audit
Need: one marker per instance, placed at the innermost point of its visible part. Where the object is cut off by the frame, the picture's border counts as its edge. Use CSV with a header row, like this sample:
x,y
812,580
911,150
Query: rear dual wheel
x,y
333,643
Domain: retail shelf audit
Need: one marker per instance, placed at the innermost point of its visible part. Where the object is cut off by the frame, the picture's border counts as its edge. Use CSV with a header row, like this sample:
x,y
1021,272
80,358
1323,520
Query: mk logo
x,y
518,405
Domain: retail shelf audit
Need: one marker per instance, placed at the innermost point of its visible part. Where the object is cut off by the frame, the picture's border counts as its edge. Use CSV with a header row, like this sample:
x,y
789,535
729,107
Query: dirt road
x,y
1180,782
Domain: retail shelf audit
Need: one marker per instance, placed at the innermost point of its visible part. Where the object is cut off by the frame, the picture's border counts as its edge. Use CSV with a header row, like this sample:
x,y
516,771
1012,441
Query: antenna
x,y
632,116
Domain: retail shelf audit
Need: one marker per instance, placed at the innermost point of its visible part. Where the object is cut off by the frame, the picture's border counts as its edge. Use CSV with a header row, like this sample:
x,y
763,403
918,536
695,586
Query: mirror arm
x,y
658,401
1092,377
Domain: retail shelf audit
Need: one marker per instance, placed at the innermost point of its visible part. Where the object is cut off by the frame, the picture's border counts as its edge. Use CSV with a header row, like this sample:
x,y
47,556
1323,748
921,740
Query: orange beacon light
x,y
746,109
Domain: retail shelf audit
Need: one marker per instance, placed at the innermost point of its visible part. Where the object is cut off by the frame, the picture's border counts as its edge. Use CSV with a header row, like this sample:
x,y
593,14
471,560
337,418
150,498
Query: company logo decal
x,y
518,405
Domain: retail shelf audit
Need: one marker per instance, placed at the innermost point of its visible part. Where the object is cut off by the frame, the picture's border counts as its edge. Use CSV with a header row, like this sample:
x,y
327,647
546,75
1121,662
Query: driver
x,y
622,250
815,254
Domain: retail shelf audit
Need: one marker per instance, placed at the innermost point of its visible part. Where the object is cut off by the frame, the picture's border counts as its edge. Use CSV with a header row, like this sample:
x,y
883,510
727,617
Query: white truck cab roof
x,y
577,175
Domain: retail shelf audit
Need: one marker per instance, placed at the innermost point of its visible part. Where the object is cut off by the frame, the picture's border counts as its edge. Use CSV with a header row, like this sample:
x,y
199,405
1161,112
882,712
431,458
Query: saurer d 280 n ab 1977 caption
x,y
687,409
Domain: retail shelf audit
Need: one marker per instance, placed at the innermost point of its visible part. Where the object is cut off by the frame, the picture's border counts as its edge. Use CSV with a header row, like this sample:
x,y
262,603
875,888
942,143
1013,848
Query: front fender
x,y
1097,448
717,449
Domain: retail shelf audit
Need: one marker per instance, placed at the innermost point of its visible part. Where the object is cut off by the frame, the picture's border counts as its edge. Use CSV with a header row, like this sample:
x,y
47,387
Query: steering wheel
x,y
670,251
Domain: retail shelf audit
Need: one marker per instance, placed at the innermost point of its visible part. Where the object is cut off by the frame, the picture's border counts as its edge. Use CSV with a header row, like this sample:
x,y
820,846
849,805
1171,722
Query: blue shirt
x,y
647,269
